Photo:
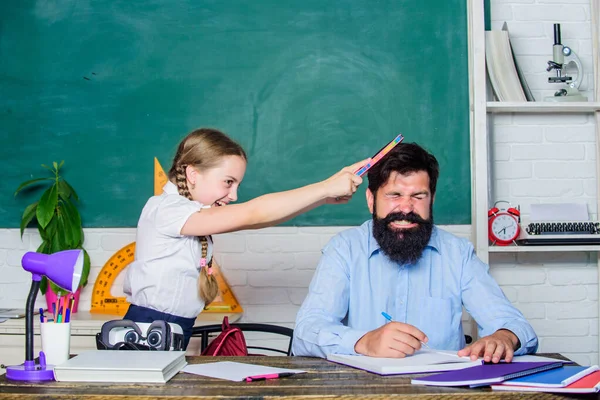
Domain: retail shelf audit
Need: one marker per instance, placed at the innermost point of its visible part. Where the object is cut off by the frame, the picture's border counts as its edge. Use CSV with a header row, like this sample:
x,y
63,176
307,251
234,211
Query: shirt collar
x,y
434,240
170,188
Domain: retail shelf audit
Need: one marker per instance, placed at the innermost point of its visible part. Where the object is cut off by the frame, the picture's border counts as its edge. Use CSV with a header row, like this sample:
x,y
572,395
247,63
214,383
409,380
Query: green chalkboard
x,y
306,86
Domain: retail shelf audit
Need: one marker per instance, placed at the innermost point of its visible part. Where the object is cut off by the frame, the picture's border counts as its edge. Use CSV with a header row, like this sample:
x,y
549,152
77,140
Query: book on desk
x,y
567,379
121,366
487,374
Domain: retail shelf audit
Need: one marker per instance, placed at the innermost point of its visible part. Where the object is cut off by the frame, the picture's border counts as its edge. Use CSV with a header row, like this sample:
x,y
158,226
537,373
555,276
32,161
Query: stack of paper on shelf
x,y
568,379
121,366
501,67
486,374
423,360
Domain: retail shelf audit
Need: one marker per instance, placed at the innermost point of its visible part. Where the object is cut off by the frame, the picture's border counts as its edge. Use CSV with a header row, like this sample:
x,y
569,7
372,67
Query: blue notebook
x,y
558,377
486,374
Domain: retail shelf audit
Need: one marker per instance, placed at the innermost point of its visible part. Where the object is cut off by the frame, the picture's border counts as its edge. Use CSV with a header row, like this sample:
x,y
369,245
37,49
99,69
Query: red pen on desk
x,y
268,376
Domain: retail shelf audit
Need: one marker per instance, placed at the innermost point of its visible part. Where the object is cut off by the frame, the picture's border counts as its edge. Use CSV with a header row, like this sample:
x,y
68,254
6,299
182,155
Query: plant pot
x,y
51,297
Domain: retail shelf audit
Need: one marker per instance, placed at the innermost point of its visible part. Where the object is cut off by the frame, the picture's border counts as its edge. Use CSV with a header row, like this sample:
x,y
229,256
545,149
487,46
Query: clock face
x,y
505,227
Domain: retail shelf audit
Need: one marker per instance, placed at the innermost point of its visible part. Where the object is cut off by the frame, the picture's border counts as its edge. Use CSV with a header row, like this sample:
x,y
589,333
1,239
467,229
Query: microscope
x,y
564,58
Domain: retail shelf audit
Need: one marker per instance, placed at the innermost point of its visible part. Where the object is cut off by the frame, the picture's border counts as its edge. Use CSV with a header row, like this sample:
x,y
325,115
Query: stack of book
x,y
544,376
567,379
487,374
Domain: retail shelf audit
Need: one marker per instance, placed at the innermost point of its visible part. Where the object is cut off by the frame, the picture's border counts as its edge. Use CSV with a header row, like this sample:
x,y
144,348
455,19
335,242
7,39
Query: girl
x,y
173,245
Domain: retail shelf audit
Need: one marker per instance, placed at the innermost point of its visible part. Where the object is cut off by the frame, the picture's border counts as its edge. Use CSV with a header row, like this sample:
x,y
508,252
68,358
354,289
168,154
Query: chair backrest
x,y
205,331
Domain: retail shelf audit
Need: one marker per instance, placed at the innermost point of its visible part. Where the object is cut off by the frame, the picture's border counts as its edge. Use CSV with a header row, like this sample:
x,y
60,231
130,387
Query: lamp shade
x,y
63,268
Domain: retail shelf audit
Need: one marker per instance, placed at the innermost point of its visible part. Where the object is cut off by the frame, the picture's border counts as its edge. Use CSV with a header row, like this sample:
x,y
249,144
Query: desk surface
x,y
322,379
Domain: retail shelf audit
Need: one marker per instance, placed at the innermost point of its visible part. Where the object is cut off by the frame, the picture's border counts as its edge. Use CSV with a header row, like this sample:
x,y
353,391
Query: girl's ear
x,y
191,174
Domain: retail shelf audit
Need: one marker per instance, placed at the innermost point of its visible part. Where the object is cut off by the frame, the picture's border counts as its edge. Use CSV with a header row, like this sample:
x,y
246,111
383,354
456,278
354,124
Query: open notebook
x,y
121,366
424,360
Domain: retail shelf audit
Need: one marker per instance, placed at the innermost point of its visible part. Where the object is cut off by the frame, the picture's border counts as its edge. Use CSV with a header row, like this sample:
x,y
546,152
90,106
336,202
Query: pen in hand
x,y
389,318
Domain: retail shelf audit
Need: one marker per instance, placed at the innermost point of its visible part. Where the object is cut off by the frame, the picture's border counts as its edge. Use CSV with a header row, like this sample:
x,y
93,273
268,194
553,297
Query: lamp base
x,y
30,371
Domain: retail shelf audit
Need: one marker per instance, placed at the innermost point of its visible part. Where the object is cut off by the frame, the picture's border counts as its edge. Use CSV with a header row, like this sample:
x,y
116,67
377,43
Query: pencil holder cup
x,y
56,342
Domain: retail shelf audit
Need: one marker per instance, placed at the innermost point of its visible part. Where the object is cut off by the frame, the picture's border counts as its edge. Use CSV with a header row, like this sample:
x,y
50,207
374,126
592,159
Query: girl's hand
x,y
341,186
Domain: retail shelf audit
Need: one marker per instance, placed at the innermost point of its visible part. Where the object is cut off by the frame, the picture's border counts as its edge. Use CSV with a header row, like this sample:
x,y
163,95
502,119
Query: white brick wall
x,y
548,158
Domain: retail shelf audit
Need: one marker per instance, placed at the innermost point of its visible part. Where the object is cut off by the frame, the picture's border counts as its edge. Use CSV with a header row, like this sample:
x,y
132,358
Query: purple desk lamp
x,y
64,269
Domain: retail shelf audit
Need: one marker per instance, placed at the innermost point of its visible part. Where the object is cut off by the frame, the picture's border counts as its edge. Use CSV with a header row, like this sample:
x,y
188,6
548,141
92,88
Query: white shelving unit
x,y
481,110
540,249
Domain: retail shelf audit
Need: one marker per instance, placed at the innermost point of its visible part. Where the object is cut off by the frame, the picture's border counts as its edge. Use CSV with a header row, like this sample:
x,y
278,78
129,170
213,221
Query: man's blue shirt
x,y
354,282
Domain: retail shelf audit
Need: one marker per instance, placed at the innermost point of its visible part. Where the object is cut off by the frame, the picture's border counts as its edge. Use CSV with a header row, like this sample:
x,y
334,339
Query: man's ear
x,y
191,174
370,200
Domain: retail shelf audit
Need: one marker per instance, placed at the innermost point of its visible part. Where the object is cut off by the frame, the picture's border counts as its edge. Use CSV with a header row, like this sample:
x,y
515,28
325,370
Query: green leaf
x,y
58,290
55,165
55,245
44,285
28,215
64,190
30,182
43,248
74,222
48,234
85,272
47,167
73,213
64,186
59,239
61,164
65,228
46,206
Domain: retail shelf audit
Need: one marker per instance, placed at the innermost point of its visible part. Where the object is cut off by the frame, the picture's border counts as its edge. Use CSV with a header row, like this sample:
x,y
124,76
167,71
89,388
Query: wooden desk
x,y
323,379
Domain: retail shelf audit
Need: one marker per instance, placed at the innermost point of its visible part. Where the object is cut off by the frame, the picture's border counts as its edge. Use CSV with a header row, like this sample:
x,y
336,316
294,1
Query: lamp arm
x,y
35,286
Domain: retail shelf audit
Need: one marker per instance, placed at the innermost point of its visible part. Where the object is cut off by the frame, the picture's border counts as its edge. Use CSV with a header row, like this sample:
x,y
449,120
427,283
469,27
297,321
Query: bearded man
x,y
401,264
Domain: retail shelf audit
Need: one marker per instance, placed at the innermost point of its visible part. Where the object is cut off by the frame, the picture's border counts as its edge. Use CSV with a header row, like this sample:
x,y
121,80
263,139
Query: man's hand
x,y
394,339
495,347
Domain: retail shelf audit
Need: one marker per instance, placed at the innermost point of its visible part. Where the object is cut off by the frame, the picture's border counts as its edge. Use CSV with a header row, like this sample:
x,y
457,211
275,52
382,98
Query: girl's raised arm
x,y
274,208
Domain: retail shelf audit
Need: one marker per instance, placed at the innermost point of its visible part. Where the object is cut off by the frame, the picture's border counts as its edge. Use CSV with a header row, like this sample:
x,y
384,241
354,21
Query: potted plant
x,y
58,222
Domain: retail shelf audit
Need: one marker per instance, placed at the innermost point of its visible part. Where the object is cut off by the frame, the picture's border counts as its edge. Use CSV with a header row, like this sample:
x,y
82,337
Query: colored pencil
x,y
380,154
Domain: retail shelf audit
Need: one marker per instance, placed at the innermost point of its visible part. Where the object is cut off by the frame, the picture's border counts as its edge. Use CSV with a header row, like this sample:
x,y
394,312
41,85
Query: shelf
x,y
541,107
84,323
539,249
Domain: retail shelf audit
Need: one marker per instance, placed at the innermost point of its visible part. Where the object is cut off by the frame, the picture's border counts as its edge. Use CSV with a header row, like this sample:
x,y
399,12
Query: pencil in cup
x,y
56,341
389,318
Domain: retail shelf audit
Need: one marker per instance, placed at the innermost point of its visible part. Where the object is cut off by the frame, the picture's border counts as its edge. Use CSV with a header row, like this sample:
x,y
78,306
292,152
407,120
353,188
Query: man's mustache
x,y
409,217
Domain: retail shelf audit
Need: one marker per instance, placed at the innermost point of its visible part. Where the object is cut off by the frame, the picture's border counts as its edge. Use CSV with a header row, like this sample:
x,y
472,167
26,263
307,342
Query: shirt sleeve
x,y
319,328
484,300
172,213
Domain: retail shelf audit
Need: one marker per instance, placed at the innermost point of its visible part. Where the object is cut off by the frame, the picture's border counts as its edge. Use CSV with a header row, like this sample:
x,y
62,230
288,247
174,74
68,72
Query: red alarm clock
x,y
503,225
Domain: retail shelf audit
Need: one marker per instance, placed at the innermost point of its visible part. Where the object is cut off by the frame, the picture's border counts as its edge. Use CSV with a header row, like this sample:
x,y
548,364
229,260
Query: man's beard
x,y
402,245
